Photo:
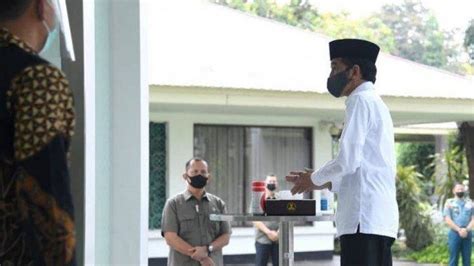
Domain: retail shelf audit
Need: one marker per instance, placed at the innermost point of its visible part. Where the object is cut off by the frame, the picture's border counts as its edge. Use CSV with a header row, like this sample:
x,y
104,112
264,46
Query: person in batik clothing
x,y
36,126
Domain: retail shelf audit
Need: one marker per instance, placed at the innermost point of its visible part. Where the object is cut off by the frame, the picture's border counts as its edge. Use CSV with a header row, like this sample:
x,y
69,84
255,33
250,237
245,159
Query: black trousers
x,y
264,252
366,250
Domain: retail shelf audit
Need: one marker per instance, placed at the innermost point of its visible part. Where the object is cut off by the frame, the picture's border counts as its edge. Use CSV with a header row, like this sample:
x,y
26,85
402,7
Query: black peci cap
x,y
354,48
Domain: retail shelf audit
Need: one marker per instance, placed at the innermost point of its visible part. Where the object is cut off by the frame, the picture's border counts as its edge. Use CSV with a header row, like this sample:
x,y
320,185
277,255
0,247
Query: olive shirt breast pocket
x,y
187,223
214,227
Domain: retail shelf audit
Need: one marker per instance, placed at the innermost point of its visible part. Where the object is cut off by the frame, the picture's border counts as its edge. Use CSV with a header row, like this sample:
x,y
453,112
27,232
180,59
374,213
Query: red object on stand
x,y
258,190
262,202
258,184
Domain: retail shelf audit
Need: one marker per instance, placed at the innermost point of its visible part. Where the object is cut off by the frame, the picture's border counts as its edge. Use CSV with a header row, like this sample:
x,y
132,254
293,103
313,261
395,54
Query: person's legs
x,y
353,250
262,254
454,245
275,258
373,254
366,249
466,248
379,250
386,252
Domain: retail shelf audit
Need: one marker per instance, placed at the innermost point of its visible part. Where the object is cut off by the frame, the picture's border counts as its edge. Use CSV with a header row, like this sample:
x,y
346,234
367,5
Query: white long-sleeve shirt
x,y
363,172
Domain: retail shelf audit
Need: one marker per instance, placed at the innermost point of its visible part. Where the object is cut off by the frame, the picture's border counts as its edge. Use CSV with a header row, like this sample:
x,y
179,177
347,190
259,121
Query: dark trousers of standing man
x,y
366,250
264,252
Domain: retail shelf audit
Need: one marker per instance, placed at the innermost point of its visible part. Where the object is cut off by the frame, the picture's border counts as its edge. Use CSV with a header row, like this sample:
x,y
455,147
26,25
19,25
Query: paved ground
x,y
335,262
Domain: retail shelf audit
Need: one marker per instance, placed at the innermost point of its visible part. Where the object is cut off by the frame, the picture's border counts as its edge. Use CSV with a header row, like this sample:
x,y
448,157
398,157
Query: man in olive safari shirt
x,y
193,238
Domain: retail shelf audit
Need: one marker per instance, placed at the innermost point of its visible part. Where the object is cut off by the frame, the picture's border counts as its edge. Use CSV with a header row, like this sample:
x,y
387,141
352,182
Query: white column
x,y
81,76
103,134
90,132
129,131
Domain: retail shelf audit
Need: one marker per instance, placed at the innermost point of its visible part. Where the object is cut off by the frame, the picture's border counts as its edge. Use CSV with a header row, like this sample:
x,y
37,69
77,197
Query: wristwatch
x,y
210,248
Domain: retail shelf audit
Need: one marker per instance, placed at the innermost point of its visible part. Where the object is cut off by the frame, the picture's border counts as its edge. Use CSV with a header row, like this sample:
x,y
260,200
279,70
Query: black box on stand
x,y
303,207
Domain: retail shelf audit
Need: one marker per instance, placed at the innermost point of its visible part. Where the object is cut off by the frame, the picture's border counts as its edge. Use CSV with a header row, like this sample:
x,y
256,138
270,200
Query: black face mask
x,y
271,187
198,181
336,83
460,194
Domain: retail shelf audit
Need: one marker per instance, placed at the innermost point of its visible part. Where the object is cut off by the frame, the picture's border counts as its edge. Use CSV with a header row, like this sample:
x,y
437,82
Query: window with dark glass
x,y
238,155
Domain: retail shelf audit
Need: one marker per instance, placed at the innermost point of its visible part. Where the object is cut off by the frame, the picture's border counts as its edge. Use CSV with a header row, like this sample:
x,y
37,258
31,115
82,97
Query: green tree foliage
x,y
457,169
302,14
419,155
418,36
412,24
408,30
342,26
413,216
469,40
297,13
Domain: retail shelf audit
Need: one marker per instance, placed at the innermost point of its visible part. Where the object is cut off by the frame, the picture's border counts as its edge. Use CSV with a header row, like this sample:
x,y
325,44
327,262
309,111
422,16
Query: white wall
x,y
180,148
81,76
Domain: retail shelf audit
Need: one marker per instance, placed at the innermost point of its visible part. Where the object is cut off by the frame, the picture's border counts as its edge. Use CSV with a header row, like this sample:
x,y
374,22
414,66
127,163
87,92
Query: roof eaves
x,y
298,91
328,38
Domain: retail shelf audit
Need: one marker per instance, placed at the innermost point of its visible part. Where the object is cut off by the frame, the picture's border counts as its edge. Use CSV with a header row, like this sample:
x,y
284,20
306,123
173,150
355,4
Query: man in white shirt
x,y
363,172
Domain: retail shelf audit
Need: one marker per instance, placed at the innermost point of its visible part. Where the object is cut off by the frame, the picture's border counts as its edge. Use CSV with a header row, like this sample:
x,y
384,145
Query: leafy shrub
x,y
456,162
436,253
418,154
413,216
